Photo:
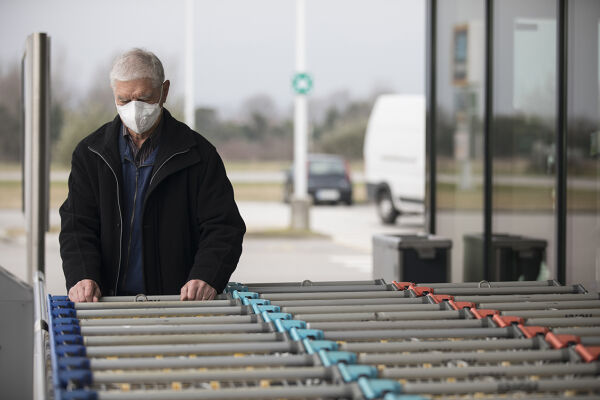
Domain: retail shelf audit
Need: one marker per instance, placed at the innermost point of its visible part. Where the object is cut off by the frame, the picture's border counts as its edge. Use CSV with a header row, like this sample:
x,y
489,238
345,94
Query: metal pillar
x,y
300,204
561,142
37,155
430,130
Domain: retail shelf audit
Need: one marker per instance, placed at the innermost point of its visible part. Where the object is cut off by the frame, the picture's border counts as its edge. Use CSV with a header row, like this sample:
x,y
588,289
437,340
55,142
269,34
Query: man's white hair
x,y
137,64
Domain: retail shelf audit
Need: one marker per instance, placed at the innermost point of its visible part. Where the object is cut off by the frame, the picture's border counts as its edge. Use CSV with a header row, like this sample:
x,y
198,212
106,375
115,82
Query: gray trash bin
x,y
514,257
411,258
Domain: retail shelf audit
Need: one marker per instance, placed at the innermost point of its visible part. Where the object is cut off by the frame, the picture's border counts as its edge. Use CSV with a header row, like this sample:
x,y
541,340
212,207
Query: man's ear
x,y
166,86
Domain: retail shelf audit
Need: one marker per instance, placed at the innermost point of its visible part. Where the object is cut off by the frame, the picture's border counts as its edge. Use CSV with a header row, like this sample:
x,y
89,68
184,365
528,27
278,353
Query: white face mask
x,y
139,116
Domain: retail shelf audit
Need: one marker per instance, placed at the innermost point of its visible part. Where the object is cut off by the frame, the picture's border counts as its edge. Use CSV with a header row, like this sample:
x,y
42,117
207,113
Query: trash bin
x,y
411,258
514,257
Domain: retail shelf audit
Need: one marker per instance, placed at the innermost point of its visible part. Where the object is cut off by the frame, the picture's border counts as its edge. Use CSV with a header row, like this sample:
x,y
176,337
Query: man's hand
x,y
86,290
197,290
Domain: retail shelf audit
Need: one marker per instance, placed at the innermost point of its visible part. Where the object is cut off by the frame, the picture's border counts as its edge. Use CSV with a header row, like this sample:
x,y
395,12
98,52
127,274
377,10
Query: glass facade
x,y
524,123
583,143
459,114
506,95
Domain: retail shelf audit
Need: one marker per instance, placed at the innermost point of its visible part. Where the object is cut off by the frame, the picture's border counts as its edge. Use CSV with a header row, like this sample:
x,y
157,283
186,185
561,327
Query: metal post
x,y
430,133
561,143
300,203
487,138
190,118
37,155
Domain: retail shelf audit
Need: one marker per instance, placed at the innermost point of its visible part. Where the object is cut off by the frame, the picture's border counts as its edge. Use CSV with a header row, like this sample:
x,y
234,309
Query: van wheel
x,y
385,207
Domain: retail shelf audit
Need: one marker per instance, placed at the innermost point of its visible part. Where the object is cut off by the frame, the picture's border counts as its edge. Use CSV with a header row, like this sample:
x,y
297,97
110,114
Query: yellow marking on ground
x,y
215,385
176,385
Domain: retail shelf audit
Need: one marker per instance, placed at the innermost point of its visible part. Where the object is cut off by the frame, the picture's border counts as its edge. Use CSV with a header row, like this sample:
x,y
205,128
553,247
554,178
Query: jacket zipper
x,y
137,174
164,162
120,216
152,178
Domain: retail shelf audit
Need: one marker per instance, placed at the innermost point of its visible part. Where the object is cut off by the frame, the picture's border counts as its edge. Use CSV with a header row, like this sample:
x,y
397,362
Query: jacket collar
x,y
173,140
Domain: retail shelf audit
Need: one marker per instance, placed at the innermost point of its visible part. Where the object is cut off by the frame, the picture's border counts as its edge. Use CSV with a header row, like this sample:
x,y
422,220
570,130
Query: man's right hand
x,y
86,290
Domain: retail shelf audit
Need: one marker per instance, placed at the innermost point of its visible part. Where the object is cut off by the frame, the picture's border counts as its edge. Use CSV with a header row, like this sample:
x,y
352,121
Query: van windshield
x,y
327,167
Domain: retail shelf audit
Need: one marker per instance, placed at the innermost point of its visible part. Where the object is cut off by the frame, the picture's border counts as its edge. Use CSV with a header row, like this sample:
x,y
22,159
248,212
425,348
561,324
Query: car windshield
x,y
326,167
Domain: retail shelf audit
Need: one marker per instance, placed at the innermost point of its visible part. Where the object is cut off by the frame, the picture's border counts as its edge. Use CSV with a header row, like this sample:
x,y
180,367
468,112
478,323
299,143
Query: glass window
x,y
459,112
523,138
583,144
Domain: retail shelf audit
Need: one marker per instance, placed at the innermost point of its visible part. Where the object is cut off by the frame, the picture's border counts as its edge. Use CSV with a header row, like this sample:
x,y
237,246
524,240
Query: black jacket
x,y
191,226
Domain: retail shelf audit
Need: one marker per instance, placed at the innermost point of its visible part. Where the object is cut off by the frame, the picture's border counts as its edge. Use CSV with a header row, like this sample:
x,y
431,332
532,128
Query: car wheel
x,y
385,207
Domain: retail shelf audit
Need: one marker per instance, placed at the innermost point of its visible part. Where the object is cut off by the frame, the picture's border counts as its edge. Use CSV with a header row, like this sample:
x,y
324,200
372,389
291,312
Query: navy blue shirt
x,y
137,172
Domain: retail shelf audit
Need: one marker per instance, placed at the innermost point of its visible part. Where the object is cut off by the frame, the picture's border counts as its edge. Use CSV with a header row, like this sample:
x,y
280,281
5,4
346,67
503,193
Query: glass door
x,y
583,144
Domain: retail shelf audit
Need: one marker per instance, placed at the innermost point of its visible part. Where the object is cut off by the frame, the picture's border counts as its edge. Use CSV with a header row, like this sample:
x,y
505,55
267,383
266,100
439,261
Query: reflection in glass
x,y
459,115
583,138
523,129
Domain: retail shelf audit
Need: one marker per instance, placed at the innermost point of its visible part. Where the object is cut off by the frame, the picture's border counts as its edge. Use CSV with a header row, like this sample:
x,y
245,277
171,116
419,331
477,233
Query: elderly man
x,y
150,209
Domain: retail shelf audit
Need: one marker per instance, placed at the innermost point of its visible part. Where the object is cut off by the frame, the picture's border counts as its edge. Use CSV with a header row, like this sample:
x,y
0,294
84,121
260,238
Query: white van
x,y
394,154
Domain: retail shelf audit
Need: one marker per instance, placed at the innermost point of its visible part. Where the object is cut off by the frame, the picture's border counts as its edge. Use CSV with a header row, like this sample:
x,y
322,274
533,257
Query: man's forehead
x,y
143,85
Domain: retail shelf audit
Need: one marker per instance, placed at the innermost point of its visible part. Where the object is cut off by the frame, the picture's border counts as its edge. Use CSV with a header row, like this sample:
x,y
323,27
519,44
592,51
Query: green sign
x,y
302,83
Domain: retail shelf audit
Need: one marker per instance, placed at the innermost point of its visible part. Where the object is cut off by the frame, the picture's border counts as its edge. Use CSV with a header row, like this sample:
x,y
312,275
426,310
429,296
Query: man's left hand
x,y
197,289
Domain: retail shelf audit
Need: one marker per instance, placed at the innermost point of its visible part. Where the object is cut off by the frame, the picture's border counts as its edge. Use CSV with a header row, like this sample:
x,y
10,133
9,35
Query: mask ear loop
x,y
161,93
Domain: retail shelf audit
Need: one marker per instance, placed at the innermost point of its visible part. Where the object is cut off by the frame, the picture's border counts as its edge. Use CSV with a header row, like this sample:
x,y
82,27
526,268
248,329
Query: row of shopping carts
x,y
331,340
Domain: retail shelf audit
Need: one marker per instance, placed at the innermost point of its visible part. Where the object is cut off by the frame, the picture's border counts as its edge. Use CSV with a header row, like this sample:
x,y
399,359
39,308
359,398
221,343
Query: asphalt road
x,y
344,252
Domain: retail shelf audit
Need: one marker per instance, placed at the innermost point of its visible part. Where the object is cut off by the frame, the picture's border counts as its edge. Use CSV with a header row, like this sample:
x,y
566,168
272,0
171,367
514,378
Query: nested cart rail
x,y
329,340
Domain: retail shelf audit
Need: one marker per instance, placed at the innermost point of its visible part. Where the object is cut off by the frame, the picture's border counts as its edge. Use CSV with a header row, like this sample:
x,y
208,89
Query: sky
x,y
242,47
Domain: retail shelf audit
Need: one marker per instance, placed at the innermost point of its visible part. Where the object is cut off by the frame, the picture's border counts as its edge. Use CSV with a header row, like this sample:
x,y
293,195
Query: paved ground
x,y
345,252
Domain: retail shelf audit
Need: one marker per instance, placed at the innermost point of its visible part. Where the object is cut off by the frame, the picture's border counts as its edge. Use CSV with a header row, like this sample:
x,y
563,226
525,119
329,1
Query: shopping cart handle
x,y
78,394
64,313
68,339
286,325
376,388
299,334
65,350
274,316
79,377
65,321
73,363
64,329
62,303
313,346
351,373
392,396
330,358
258,308
259,302
244,295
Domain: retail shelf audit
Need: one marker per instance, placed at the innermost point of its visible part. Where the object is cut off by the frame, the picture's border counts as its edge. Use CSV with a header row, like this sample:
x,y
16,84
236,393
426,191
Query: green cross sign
x,y
302,83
